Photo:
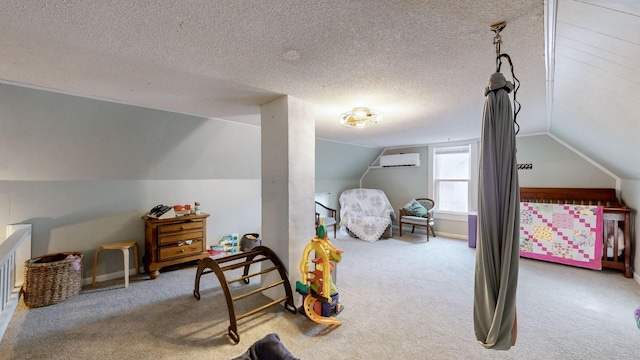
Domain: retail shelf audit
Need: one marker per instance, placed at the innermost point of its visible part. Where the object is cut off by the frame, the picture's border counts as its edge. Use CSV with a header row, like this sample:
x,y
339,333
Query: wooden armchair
x,y
413,220
329,220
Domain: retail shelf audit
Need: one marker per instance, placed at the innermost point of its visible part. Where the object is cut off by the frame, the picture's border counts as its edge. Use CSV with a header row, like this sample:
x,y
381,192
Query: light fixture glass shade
x,y
360,117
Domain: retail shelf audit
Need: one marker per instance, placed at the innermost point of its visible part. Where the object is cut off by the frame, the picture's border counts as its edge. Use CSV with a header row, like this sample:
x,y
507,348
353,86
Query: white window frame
x,y
472,181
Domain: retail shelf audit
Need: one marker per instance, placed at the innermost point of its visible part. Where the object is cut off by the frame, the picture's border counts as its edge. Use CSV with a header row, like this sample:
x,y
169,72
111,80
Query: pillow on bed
x,y
414,208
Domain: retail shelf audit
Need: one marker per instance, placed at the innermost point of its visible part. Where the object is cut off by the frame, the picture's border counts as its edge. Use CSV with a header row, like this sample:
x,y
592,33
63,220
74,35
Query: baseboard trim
x,y
110,276
396,230
452,236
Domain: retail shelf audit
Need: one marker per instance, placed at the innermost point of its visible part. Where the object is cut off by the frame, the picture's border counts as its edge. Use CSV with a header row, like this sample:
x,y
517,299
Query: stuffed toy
x,y
267,348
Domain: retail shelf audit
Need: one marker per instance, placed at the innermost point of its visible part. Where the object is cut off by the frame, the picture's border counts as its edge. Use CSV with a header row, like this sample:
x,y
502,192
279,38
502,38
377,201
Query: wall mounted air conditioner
x,y
411,159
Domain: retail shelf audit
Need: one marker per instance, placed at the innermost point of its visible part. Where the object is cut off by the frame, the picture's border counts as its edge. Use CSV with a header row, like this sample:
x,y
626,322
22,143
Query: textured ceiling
x,y
423,64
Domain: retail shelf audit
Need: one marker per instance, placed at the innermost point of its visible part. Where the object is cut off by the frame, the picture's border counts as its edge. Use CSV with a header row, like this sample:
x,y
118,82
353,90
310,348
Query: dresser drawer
x,y
184,226
181,236
162,237
175,251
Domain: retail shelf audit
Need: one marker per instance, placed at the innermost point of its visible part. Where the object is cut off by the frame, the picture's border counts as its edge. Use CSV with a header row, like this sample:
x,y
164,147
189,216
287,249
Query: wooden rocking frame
x,y
256,255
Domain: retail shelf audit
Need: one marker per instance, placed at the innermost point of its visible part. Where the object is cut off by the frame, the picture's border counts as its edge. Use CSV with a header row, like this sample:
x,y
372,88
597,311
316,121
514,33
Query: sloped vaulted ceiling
x,y
596,98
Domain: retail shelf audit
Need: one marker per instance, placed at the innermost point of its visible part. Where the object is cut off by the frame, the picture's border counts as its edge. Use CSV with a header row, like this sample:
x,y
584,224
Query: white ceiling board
x,y
605,19
424,64
626,6
597,82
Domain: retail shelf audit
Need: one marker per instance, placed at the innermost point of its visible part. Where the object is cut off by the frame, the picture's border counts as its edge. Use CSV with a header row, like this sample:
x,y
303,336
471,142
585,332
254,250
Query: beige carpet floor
x,y
404,298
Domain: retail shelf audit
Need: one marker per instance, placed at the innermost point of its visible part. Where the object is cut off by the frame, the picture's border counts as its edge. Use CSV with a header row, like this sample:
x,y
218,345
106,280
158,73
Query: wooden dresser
x,y
173,241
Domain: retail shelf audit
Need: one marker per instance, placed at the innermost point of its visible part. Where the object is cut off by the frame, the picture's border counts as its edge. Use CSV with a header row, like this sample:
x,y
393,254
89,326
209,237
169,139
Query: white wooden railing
x,y
13,252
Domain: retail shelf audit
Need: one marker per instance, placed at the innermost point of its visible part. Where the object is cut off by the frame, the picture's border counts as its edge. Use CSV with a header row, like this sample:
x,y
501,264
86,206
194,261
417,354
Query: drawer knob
x,y
182,250
181,227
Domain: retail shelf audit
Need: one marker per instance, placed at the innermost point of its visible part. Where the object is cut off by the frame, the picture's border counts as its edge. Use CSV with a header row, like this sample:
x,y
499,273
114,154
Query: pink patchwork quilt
x,y
562,233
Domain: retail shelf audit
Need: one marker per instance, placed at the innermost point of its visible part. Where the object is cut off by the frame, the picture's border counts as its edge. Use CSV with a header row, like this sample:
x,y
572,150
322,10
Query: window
x,y
451,177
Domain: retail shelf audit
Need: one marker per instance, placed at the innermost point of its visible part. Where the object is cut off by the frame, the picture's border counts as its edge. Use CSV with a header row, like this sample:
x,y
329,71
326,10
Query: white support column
x,y
288,183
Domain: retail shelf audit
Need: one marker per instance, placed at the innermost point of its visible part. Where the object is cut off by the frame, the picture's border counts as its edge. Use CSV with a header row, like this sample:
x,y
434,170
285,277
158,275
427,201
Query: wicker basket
x,y
50,279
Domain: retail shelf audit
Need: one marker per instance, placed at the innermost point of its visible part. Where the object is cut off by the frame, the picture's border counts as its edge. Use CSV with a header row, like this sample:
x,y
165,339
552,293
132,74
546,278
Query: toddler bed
x,y
615,226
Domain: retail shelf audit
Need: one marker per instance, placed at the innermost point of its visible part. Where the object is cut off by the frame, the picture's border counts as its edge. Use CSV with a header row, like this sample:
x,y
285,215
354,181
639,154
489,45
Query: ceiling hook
x,y
497,40
496,28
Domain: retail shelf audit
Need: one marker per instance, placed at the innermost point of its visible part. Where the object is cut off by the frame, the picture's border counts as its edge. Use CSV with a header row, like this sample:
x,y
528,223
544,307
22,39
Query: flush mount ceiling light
x,y
360,117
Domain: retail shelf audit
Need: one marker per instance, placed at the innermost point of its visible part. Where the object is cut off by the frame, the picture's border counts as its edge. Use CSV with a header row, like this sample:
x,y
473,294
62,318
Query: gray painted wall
x,y
84,171
554,165
401,184
339,167
52,137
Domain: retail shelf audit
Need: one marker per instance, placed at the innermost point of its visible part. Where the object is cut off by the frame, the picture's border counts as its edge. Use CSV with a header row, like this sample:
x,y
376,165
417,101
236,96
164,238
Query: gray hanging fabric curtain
x,y
497,251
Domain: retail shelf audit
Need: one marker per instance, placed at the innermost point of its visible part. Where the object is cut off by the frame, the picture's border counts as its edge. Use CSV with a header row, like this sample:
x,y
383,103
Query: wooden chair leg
x,y
95,264
400,228
125,254
413,228
135,261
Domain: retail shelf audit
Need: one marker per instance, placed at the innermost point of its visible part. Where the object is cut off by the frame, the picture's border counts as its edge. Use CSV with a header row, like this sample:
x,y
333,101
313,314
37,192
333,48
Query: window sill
x,y
455,216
